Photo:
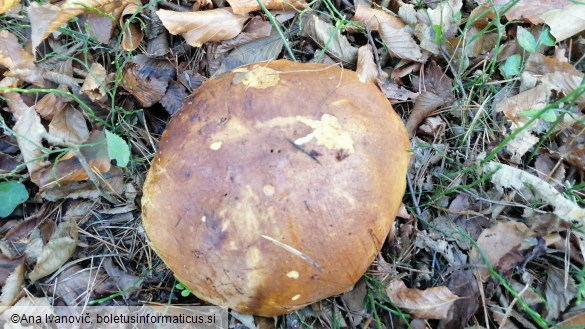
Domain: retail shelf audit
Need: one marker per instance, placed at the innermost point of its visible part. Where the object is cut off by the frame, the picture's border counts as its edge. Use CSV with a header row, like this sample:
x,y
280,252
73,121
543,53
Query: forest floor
x,y
491,233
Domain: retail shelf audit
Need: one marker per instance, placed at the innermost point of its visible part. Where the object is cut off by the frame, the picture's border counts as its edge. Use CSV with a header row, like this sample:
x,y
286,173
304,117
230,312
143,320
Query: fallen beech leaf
x,y
576,321
132,34
572,150
241,7
123,281
74,286
400,43
69,169
203,26
51,104
30,132
57,251
112,184
432,303
5,5
147,78
174,97
69,125
95,82
424,105
20,63
373,18
495,243
366,67
40,15
560,291
566,22
355,302
530,10
329,39
99,27
74,8
508,177
12,280
395,92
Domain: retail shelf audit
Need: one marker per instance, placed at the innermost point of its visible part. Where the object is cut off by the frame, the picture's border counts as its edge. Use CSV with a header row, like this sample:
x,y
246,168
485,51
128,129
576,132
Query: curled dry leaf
x,y
29,133
366,67
132,34
174,97
19,62
424,105
530,10
203,26
329,39
496,243
11,279
57,251
432,303
95,82
241,7
112,183
505,176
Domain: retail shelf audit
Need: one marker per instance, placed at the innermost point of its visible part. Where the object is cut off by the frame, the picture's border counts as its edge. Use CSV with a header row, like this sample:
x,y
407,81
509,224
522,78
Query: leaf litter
x,y
492,97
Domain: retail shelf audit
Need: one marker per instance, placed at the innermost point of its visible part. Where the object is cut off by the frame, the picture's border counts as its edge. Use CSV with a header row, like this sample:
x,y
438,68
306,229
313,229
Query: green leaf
x,y
546,38
185,293
117,149
526,40
511,66
12,194
438,33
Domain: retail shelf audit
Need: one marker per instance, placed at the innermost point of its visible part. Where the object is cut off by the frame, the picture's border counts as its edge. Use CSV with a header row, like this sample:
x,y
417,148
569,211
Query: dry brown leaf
x,y
99,27
495,243
174,97
40,16
18,61
112,184
395,92
373,18
241,7
30,132
147,78
57,251
75,286
432,303
95,82
69,169
577,321
400,43
508,177
329,39
366,68
132,34
566,22
203,26
530,10
354,300
122,280
69,125
5,5
11,279
73,8
424,105
560,291
572,150
51,104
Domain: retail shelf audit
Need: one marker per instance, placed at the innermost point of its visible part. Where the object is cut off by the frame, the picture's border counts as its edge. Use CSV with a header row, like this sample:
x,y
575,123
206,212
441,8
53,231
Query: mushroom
x,y
276,185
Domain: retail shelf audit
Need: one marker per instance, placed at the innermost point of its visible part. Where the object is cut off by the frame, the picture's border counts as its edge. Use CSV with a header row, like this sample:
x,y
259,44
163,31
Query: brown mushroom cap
x,y
276,185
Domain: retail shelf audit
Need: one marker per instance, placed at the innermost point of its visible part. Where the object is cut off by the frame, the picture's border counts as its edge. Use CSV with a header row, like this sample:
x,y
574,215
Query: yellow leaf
x,y
5,5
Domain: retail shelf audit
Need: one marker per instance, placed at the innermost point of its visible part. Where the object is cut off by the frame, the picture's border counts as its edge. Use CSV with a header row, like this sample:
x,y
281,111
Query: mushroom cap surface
x,y
276,185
